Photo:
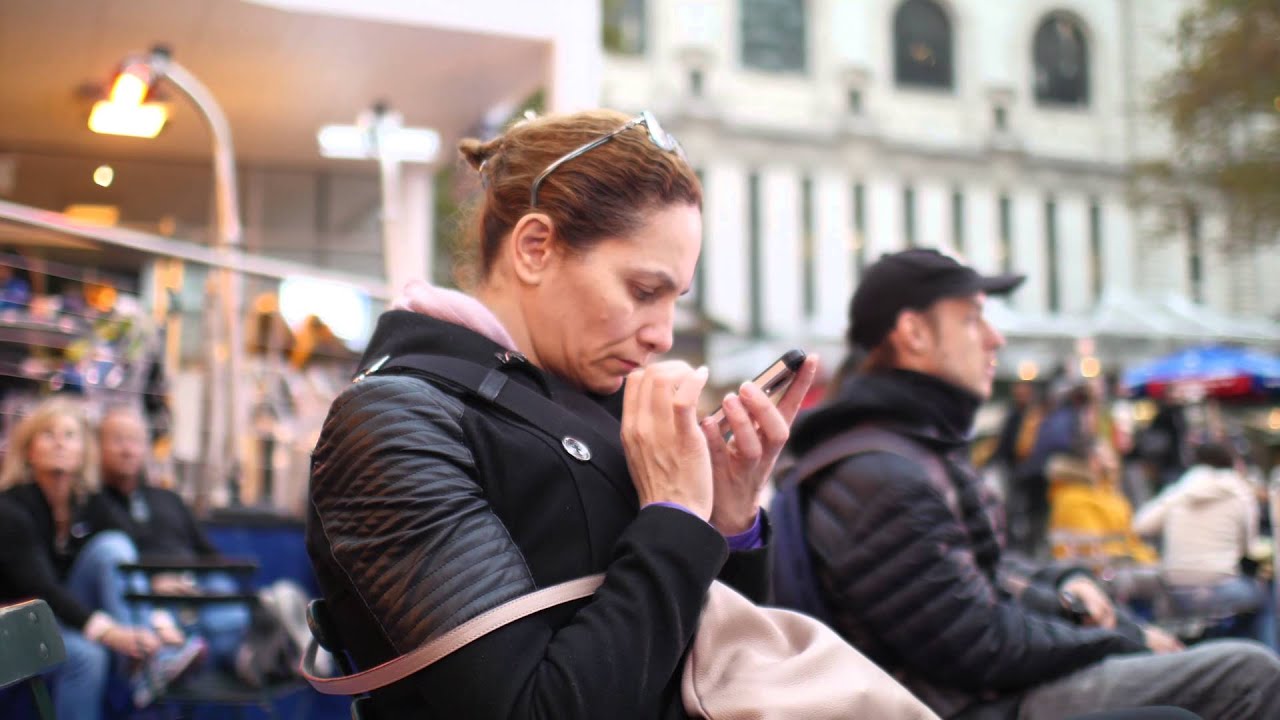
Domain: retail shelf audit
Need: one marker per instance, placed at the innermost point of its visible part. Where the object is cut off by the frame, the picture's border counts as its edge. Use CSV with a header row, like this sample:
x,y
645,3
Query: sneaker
x,y
163,669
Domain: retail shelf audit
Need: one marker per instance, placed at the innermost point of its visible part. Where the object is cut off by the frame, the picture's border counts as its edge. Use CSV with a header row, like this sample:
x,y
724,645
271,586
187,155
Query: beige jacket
x,y
1208,519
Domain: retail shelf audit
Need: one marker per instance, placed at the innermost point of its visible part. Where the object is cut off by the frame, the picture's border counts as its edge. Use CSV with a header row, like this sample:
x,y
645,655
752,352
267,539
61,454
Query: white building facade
x,y
828,132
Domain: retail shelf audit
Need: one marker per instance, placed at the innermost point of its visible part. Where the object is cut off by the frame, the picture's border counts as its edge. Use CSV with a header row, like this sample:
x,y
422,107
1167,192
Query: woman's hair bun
x,y
476,151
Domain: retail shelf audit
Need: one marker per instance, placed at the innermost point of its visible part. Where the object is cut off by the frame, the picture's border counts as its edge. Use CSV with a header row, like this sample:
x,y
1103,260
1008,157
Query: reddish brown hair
x,y
604,193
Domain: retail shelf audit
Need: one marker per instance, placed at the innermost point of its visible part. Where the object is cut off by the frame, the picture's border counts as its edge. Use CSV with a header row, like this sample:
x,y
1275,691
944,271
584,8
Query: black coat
x,y
32,564
912,585
167,530
428,507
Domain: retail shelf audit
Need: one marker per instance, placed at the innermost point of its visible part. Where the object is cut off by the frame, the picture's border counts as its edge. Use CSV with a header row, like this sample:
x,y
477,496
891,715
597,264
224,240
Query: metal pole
x,y
227,356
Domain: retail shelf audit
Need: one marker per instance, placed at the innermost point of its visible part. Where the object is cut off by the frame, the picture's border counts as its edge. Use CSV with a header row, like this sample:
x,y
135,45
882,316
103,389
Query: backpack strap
x,y
493,385
869,438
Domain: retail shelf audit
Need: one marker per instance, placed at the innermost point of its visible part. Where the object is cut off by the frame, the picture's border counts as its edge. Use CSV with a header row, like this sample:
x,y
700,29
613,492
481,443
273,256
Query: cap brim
x,y
1000,284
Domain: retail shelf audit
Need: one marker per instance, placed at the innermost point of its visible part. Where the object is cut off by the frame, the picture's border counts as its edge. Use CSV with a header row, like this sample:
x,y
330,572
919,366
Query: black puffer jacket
x,y
911,585
429,507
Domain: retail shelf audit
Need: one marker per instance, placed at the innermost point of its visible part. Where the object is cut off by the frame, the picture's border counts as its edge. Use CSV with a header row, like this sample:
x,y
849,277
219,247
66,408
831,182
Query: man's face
x,y
962,345
124,446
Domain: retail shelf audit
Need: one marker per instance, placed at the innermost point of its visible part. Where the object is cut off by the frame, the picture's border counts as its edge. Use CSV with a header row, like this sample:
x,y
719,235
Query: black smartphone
x,y
774,381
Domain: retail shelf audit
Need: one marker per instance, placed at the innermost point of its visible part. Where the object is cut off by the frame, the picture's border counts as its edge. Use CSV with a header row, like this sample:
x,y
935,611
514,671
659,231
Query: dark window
x,y
855,101
1006,234
909,215
1061,58
1051,253
1195,263
754,255
624,26
922,45
859,227
1095,248
773,35
1000,117
695,82
957,220
808,248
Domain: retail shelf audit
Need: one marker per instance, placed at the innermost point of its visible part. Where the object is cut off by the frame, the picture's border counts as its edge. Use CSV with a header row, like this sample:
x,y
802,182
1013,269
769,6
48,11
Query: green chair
x,y
30,645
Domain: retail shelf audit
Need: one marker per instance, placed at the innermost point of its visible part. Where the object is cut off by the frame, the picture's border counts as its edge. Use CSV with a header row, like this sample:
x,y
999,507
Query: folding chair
x,y
216,687
30,645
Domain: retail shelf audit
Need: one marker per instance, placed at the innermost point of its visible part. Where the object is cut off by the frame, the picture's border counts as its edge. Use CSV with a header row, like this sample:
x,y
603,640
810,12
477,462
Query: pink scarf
x,y
454,307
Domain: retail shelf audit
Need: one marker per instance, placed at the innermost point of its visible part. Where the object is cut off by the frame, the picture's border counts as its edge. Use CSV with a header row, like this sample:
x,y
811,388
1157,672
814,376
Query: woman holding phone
x,y
430,504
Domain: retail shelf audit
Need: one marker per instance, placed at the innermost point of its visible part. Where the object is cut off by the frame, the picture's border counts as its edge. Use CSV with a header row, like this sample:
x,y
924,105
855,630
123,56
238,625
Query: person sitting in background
x,y
1208,519
48,551
1070,420
1089,516
162,528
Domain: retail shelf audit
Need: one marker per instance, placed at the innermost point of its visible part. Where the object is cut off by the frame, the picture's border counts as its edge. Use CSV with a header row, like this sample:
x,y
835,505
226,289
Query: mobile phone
x,y
774,381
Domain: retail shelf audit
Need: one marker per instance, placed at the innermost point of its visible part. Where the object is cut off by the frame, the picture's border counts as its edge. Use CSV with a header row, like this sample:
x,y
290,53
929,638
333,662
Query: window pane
x,y
909,215
1061,62
755,255
808,248
624,27
1051,253
773,35
1006,234
922,45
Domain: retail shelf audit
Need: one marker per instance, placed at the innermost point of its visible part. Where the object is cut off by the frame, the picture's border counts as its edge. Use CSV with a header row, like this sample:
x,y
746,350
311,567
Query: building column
x,y
884,216
726,295
833,202
933,216
1029,251
982,228
1118,250
1075,265
781,273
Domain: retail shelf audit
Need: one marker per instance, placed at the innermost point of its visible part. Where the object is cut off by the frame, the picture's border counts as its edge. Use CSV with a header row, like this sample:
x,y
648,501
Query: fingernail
x,y
729,397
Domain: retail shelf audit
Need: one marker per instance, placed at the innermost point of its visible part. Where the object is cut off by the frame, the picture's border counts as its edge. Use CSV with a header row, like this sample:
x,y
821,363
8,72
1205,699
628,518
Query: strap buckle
x,y
373,368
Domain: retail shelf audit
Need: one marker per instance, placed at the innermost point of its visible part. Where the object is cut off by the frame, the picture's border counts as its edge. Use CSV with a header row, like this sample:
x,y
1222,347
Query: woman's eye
x,y
643,294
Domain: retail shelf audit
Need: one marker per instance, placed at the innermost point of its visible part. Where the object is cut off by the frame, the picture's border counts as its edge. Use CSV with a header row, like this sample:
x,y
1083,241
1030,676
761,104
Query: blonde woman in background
x,y
47,551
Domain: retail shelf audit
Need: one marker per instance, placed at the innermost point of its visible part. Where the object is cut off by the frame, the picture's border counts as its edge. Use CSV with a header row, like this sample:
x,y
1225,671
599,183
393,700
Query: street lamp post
x,y
226,352
379,134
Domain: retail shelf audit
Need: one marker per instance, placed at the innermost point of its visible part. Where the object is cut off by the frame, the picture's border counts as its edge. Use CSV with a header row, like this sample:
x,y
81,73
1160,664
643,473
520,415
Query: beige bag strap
x,y
424,655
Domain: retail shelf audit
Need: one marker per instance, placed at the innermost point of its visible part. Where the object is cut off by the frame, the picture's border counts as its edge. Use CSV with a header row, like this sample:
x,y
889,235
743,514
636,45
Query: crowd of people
x,y
518,437
522,438
76,506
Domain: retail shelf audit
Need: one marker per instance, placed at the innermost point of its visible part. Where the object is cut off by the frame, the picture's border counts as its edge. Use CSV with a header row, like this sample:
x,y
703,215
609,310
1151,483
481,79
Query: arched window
x,y
773,35
1061,57
922,45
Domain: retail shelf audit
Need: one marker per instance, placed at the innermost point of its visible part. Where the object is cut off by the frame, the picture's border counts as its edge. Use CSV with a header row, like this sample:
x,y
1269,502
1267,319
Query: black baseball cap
x,y
913,280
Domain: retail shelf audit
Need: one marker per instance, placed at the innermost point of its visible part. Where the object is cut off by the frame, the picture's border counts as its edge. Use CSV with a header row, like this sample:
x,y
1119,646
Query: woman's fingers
x,y
746,438
792,399
773,428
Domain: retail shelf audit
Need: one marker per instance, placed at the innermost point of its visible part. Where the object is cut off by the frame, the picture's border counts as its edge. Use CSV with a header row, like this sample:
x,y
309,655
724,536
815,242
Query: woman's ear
x,y
532,248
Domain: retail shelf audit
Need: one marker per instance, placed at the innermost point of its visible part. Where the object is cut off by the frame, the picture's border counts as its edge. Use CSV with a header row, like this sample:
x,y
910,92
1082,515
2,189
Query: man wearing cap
x,y
905,542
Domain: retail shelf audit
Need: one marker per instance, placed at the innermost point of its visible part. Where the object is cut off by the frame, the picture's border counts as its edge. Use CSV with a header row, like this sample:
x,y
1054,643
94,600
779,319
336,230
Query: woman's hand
x,y
666,453
743,465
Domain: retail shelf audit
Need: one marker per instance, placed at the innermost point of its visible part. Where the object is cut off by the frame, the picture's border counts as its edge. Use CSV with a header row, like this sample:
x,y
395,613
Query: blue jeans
x,y
80,683
223,626
1240,595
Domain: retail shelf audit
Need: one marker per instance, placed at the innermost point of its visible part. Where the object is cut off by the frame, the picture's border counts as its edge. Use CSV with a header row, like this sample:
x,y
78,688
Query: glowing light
x,y
342,308
1273,419
144,121
129,88
1090,367
104,175
1027,371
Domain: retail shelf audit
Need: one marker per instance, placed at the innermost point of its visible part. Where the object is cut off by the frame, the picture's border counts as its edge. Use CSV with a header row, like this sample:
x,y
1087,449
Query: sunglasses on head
x,y
658,136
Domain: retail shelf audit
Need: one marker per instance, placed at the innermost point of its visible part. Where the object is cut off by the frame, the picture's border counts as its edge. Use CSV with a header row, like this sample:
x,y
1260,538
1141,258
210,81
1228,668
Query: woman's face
x,y
603,313
57,449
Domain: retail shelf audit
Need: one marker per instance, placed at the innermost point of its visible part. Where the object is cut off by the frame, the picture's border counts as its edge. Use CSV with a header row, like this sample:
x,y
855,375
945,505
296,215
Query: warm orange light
x,y
1027,371
1090,367
1273,419
128,89
112,118
124,112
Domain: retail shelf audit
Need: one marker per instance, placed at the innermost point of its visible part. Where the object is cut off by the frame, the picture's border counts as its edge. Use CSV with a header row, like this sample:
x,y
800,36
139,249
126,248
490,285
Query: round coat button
x,y
576,448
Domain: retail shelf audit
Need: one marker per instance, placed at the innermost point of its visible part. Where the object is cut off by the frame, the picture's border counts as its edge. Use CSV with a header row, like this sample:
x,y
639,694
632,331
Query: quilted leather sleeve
x,y
394,493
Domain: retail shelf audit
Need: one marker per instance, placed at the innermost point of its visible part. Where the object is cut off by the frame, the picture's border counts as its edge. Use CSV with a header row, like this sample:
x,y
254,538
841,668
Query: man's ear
x,y
915,333
532,247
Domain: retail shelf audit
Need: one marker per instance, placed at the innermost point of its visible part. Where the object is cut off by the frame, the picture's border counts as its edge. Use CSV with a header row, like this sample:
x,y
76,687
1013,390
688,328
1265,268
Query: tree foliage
x,y
1223,104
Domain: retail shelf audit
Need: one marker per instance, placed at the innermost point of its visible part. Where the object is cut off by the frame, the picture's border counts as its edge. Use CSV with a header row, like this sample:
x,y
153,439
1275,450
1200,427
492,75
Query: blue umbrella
x,y
1216,370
